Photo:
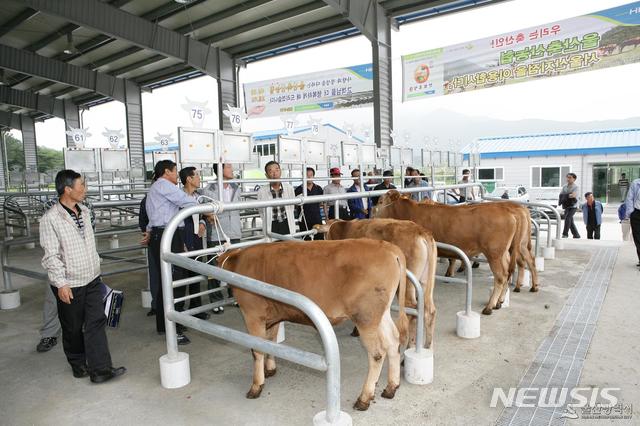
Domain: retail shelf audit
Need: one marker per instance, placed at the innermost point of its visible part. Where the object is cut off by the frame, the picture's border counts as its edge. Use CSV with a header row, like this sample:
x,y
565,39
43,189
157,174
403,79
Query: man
x,y
623,186
50,323
592,215
225,223
386,184
569,201
359,207
312,215
418,182
192,235
164,199
334,187
73,267
143,221
278,219
632,212
408,172
466,194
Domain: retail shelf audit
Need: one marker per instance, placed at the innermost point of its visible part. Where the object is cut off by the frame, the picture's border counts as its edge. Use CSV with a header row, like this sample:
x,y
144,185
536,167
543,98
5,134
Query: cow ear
x,y
393,195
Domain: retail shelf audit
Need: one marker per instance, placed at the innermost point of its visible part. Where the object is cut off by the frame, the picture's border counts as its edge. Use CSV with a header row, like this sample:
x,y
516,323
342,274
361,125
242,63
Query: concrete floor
x,y
39,388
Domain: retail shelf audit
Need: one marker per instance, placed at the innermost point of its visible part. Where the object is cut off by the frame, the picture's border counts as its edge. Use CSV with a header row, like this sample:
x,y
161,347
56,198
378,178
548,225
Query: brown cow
x,y
360,288
485,228
419,249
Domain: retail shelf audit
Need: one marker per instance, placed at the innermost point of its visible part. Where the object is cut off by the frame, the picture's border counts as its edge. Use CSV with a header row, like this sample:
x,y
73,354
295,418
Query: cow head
x,y
386,204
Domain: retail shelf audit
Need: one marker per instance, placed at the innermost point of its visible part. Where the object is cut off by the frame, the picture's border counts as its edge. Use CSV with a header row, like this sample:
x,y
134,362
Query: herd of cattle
x,y
357,271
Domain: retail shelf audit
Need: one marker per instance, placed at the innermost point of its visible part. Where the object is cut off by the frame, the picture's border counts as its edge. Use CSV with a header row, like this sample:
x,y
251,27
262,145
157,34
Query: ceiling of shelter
x,y
249,30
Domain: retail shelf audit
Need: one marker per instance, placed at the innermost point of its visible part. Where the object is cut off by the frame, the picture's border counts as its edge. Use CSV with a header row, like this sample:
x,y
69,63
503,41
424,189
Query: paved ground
x,y
39,389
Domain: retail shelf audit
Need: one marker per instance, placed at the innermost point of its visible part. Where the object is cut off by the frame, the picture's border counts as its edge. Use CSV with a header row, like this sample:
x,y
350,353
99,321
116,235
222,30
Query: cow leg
x,y
429,307
257,328
531,262
519,277
371,340
499,268
391,343
270,367
411,301
452,265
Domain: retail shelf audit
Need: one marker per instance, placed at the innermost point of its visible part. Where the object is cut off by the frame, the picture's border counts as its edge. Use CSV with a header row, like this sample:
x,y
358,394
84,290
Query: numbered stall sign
x,y
314,125
78,136
235,116
197,111
113,137
164,140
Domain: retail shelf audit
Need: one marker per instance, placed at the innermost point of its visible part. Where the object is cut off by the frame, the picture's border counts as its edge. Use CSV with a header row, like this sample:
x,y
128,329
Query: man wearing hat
x,y
334,187
386,184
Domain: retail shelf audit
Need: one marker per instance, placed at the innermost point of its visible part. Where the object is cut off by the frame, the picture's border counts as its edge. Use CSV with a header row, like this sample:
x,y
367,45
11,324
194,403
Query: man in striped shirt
x,y
73,266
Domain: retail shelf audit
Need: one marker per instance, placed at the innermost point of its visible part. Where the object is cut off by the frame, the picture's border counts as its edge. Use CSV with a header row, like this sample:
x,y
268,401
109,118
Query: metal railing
x,y
542,206
468,280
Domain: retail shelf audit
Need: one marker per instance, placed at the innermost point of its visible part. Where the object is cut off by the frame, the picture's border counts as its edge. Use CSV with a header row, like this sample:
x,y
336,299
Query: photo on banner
x,y
599,40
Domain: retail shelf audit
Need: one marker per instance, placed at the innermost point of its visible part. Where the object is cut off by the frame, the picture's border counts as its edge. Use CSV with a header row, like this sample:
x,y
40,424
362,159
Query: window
x,y
548,176
490,173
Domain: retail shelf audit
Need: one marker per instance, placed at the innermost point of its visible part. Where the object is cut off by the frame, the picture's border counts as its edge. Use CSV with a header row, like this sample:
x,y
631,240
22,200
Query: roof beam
x,y
42,103
361,13
14,22
122,25
219,16
267,20
9,119
38,66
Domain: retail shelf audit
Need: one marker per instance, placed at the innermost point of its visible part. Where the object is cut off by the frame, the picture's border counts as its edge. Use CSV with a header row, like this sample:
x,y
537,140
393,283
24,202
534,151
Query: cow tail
x,y
403,322
515,249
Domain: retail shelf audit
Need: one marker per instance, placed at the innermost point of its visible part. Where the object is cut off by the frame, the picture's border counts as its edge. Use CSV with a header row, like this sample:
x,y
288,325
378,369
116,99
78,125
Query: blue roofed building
x,y
540,161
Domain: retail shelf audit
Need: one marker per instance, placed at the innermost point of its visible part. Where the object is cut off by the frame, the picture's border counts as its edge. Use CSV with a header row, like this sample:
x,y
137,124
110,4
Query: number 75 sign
x,y
197,111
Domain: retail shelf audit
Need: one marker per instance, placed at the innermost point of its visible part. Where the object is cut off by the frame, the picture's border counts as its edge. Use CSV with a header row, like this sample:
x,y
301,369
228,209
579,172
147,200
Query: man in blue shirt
x,y
163,202
632,207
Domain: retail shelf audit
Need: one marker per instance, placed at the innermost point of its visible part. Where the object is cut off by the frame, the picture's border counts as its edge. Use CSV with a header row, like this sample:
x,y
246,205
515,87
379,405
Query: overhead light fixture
x,y
184,1
70,48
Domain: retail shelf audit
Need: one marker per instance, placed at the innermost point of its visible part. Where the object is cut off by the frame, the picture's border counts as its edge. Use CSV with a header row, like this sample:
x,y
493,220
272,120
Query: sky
x,y
598,95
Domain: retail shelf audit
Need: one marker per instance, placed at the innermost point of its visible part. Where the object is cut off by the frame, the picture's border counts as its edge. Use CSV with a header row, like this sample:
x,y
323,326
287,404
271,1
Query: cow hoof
x,y
460,269
447,274
389,392
486,311
254,393
355,332
269,373
516,290
533,289
498,306
360,405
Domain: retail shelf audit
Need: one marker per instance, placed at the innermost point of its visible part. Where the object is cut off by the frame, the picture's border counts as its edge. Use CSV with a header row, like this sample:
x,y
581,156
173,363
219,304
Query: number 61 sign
x,y
78,136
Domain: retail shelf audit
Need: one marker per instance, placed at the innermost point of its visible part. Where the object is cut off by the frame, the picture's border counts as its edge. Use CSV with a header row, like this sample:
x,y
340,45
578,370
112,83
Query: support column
x,y
227,87
382,89
71,119
135,139
3,161
29,144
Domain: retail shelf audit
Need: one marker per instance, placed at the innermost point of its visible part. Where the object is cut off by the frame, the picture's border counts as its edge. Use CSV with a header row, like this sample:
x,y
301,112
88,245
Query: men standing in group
x,y
386,184
632,212
592,215
223,224
73,267
466,194
164,199
623,186
311,211
334,187
359,207
569,201
193,232
418,182
278,219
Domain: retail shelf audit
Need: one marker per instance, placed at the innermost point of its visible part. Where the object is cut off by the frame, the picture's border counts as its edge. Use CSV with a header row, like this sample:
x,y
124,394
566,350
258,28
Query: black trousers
x,y
635,230
281,228
593,232
177,246
214,297
195,244
569,223
83,322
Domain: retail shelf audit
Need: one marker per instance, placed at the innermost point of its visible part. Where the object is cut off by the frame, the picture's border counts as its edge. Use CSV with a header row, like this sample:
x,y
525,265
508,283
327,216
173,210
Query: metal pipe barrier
x,y
537,236
548,228
469,274
329,363
555,212
418,313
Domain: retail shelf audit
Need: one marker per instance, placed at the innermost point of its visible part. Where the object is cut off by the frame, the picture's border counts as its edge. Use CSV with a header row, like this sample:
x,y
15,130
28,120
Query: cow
x,y
360,288
419,249
485,228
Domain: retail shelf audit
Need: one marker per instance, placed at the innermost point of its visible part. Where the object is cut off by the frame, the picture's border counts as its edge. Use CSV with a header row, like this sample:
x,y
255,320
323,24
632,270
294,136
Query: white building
x,y
540,162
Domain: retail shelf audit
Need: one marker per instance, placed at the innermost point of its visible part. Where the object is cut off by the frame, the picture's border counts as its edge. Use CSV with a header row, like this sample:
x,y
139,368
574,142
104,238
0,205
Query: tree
x,y
48,159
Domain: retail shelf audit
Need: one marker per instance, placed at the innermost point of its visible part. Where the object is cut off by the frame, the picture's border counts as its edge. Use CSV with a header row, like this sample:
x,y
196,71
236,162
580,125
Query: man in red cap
x,y
334,187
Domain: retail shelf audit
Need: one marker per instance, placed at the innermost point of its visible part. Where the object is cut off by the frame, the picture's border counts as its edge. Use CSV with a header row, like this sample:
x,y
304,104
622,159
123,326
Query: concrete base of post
x,y
505,304
114,243
540,264
30,246
468,326
558,244
9,299
175,373
549,252
526,282
280,337
343,419
418,366
146,298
